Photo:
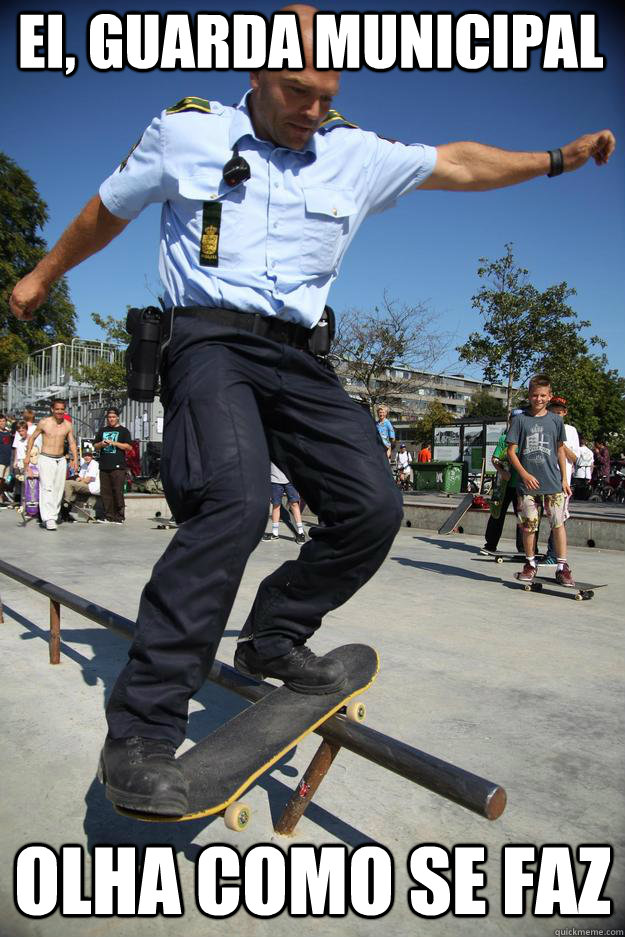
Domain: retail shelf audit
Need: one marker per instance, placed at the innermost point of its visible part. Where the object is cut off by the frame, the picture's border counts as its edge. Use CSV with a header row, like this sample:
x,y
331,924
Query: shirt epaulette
x,y
334,119
190,104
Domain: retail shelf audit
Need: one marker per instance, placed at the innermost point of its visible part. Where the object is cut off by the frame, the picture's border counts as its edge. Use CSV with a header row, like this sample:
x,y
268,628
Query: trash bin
x,y
438,476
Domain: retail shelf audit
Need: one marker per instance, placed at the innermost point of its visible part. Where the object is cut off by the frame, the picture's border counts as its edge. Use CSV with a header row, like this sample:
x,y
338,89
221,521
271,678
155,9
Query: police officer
x,y
260,202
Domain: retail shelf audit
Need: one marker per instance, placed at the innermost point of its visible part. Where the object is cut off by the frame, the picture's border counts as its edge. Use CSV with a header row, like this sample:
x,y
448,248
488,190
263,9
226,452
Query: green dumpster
x,y
438,476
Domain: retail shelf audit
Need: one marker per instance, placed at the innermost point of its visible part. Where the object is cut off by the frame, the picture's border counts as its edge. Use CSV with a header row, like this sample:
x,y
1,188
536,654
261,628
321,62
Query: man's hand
x,y
599,146
530,482
28,294
566,488
74,465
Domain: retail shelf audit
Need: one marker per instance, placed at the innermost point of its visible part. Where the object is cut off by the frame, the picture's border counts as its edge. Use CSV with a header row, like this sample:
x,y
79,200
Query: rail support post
x,y
55,632
307,787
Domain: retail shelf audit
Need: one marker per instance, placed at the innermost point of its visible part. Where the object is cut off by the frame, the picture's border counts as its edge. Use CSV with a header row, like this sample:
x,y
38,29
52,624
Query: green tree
x,y
108,376
22,214
483,406
374,346
595,393
435,415
521,324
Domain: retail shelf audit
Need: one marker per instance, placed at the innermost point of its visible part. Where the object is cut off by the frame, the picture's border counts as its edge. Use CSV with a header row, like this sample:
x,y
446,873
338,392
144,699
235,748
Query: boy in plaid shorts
x,y
536,450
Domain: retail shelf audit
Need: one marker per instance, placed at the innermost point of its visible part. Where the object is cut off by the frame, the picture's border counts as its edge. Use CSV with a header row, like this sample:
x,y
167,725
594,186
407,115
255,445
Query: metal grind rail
x,y
469,790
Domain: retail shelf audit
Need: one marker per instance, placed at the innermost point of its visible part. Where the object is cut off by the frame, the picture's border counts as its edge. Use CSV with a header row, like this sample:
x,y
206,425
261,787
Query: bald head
x,y
306,17
288,106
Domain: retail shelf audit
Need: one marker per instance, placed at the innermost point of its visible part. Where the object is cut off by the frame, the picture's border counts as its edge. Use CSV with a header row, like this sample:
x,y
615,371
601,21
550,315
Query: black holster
x,y
143,355
322,336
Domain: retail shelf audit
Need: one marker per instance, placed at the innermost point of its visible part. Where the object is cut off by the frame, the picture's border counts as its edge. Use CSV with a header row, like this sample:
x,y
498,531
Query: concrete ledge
x,y
606,533
140,505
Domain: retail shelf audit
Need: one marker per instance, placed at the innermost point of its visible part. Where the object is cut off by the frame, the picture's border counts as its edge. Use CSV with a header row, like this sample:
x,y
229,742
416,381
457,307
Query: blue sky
x,y
69,133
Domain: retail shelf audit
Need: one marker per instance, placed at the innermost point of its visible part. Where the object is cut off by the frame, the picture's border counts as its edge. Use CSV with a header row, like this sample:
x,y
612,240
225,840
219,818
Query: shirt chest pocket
x,y
214,217
327,216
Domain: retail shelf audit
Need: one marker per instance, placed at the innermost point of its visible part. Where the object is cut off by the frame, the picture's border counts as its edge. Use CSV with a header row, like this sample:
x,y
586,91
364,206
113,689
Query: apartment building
x,y
408,393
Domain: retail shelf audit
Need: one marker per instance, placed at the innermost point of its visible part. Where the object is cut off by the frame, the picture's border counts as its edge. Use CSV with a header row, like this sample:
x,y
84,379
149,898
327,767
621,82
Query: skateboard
x,y
163,523
85,513
457,514
231,759
580,591
502,556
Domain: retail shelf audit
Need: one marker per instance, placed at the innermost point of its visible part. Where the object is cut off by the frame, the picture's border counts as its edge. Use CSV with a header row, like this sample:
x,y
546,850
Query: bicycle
x,y
602,491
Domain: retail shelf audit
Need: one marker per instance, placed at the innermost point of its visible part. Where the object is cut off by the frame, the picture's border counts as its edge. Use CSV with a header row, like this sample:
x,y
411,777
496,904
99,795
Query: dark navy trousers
x,y
233,401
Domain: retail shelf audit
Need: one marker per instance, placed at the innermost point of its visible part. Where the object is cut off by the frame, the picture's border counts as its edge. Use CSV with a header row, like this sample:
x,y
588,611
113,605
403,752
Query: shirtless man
x,y
52,465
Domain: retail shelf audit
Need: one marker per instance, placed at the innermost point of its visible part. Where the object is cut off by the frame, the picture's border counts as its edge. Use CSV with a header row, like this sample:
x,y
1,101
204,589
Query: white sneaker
x,y
50,525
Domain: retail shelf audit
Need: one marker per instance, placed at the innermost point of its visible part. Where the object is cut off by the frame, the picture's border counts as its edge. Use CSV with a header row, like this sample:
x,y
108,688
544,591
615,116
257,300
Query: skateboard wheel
x,y
237,817
356,711
579,596
499,559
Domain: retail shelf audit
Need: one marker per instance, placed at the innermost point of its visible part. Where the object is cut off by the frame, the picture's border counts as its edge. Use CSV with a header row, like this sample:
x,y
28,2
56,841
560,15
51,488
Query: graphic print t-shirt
x,y
537,438
110,456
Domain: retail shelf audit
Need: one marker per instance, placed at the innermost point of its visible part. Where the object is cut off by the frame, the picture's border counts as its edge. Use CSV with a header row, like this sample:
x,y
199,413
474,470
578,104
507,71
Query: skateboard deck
x,y
502,556
85,513
456,515
226,763
164,523
580,591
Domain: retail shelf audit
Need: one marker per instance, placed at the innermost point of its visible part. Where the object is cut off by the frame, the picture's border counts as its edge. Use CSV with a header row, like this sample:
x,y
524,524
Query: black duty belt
x,y
277,330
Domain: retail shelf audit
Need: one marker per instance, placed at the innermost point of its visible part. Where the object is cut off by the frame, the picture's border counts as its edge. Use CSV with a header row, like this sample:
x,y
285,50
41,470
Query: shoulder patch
x,y
334,119
134,146
190,104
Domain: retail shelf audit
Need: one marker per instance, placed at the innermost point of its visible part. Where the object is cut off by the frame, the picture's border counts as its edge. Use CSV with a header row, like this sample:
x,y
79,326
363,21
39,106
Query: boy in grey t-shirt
x,y
535,449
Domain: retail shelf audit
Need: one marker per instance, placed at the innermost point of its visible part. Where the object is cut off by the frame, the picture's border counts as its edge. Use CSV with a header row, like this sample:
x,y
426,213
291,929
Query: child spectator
x,y
558,406
280,485
538,437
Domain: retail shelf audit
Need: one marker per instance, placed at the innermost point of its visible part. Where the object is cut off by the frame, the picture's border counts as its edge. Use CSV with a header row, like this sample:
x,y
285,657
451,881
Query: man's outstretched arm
x,y
474,167
88,233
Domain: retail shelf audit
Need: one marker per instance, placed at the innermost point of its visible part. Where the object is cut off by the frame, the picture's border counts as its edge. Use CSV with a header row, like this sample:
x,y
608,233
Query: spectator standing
x,y
385,429
28,417
280,485
602,461
507,480
425,454
558,405
55,432
112,442
582,472
6,446
539,437
404,461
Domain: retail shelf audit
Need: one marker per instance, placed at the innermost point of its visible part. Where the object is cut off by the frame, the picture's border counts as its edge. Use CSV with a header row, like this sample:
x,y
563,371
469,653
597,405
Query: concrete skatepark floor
x,y
524,689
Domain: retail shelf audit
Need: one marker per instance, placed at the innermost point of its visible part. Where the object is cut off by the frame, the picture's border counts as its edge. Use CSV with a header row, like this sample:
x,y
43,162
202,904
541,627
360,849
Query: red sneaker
x,y
564,576
527,573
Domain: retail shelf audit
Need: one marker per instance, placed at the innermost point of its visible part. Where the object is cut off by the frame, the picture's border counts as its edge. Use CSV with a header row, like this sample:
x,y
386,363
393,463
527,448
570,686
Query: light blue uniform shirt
x,y
284,231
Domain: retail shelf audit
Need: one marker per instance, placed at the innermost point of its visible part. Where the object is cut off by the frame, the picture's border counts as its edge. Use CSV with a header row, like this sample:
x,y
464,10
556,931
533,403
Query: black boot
x,y
142,774
300,669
